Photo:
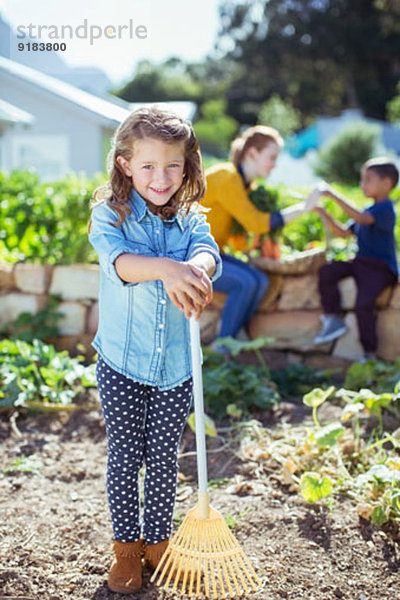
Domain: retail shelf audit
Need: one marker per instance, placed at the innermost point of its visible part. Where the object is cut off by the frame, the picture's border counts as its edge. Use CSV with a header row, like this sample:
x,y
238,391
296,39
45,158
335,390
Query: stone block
x,y
388,329
273,291
11,305
299,293
76,282
32,279
209,322
291,330
74,318
92,319
323,361
7,279
348,345
70,342
348,292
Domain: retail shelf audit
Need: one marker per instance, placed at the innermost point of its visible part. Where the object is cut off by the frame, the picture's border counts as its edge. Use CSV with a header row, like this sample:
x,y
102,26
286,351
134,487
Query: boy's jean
x,y
245,286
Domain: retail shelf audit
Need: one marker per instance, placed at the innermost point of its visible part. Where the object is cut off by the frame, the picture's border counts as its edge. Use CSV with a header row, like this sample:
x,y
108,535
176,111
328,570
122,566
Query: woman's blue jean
x,y
245,286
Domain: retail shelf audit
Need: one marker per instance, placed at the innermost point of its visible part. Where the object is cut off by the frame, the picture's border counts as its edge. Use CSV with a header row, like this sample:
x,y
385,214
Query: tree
x,y
175,79
279,114
159,83
215,130
393,107
322,55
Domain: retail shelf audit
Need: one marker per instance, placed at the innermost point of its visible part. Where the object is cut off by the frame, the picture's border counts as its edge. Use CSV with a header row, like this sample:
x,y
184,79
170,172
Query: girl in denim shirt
x,y
157,260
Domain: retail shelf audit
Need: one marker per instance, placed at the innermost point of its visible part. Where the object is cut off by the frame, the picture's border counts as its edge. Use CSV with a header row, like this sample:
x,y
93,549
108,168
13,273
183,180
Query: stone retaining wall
x,y
289,313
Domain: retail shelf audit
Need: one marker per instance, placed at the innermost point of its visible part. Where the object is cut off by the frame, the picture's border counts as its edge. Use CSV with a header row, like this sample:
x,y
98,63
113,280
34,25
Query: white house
x,y
53,127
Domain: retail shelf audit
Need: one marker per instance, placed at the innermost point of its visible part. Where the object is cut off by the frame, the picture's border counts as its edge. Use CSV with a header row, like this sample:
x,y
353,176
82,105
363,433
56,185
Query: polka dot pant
x,y
143,425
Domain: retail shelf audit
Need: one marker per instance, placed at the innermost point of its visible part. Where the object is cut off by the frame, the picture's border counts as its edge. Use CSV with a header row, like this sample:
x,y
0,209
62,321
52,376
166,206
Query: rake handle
x,y
195,350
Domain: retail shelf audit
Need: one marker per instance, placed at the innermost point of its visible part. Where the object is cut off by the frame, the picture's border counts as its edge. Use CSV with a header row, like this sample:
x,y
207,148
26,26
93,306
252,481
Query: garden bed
x,y
55,531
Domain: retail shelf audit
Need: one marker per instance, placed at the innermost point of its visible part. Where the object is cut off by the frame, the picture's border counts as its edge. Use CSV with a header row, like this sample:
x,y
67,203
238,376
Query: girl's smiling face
x,y
157,169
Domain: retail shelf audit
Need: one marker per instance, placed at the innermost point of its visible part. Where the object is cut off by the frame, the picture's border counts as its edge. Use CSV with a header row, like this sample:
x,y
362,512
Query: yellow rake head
x,y
204,557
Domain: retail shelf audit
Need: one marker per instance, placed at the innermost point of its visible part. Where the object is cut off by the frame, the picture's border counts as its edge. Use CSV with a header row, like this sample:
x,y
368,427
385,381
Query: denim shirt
x,y
141,333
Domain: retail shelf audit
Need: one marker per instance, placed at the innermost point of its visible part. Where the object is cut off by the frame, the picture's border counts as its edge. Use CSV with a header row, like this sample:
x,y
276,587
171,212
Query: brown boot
x,y
125,574
153,554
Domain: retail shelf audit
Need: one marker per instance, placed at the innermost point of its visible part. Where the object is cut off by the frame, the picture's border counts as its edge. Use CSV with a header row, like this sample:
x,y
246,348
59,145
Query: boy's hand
x,y
321,210
188,286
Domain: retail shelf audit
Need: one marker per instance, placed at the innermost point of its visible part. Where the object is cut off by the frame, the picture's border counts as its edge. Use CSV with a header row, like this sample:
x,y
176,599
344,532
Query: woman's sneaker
x,y
332,328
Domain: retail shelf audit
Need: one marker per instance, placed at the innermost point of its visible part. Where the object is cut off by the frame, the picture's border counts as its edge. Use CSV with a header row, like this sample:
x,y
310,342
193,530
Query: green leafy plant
x,y
36,376
315,487
237,386
315,398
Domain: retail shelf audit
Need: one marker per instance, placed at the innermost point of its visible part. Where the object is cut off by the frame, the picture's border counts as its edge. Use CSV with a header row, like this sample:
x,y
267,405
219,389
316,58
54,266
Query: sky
x,y
183,28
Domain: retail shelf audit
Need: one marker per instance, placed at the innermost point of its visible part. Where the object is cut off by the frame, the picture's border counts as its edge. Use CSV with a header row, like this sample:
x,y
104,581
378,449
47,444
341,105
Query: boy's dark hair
x,y
385,168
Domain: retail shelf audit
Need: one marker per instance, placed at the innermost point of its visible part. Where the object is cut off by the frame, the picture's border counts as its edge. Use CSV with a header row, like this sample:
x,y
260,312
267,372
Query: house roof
x,y
12,114
108,111
111,111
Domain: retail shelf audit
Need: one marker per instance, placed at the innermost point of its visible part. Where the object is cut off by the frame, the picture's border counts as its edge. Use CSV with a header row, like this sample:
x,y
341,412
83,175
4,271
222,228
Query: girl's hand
x,y
325,189
203,275
188,286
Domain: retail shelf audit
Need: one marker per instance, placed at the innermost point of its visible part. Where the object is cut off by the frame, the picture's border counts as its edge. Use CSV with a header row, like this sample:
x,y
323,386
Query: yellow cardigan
x,y
227,198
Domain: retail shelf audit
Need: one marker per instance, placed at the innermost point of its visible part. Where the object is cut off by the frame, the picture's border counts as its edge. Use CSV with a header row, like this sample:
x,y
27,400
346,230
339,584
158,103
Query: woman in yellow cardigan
x,y
253,155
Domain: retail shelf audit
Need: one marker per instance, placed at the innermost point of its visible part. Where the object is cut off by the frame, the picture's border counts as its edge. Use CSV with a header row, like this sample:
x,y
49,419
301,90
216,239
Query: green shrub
x,y
281,115
342,158
45,222
215,130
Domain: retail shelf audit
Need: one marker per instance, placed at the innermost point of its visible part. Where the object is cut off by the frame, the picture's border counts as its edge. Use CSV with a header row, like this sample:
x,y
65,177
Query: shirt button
x,y
157,231
161,326
163,301
159,349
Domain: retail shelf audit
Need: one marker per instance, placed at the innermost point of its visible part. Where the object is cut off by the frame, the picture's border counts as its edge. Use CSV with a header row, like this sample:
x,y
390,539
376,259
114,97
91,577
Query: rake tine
x,y
206,580
235,565
190,565
213,566
218,568
247,566
201,537
177,566
230,558
223,563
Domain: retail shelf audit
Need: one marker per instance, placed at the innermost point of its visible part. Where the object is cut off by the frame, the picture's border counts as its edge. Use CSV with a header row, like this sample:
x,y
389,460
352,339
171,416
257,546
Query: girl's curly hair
x,y
154,123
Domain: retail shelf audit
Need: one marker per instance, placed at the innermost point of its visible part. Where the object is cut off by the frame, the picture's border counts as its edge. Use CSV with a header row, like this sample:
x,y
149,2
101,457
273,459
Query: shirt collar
x,y
241,173
140,210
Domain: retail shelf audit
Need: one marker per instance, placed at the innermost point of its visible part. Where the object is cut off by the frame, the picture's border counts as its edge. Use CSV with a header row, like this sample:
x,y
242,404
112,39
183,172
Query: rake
x,y
203,556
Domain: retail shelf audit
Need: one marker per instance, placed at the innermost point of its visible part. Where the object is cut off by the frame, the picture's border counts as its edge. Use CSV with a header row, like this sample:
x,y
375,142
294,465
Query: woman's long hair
x,y
255,137
159,124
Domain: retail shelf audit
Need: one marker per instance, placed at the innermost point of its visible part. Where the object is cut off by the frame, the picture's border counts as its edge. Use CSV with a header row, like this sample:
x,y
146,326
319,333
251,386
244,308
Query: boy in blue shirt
x,y
375,265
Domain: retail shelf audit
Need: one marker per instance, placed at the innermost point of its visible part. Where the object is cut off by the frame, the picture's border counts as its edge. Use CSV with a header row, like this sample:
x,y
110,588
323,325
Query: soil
x,y
55,531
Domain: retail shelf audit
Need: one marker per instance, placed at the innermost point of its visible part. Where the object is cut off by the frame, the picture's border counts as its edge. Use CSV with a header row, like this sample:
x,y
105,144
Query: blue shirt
x,y
377,240
141,333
